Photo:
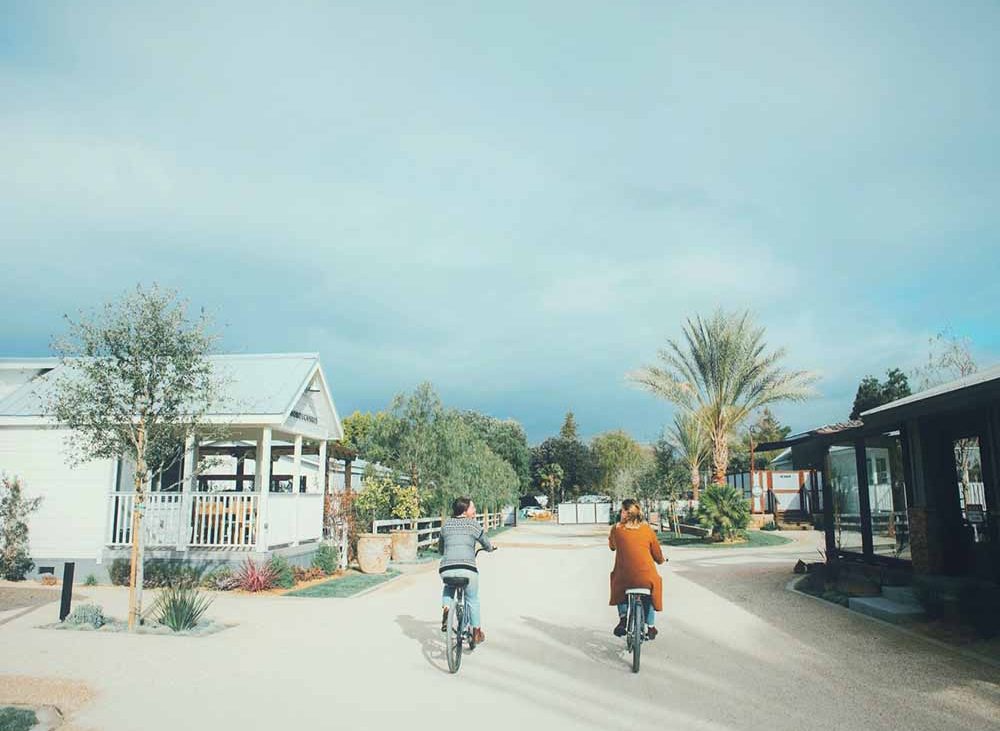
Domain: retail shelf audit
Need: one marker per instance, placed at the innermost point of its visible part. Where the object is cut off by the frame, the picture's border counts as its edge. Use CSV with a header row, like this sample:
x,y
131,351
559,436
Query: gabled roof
x,y
975,379
267,385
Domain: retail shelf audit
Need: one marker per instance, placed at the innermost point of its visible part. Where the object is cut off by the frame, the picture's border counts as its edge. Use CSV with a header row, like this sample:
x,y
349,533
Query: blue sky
x,y
520,202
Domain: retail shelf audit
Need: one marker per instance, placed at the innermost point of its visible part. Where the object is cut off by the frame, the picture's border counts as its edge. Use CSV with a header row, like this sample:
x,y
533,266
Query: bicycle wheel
x,y
636,632
456,632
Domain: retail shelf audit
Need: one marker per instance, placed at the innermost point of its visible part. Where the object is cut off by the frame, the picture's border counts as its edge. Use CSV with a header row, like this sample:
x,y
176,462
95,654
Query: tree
x,y
722,372
766,428
15,508
689,438
573,456
949,357
617,456
568,430
135,383
550,478
871,392
507,439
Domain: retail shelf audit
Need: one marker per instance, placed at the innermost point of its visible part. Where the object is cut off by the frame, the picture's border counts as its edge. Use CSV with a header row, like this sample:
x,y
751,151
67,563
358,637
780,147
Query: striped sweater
x,y
459,537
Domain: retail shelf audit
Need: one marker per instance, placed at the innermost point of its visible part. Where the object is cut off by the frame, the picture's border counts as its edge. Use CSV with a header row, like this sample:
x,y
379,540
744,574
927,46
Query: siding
x,y
70,522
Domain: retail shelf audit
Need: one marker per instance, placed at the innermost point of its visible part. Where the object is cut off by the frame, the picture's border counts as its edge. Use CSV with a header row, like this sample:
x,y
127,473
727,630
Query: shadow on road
x,y
601,647
430,638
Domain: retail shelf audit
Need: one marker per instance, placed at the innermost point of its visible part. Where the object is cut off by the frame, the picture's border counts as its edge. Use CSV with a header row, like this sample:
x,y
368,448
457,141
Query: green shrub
x,y
220,579
91,580
284,575
90,614
772,525
119,571
15,563
326,558
180,607
17,719
723,509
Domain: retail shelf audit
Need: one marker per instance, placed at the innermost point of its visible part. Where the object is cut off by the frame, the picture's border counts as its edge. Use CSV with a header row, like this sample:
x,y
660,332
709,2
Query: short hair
x,y
460,505
633,513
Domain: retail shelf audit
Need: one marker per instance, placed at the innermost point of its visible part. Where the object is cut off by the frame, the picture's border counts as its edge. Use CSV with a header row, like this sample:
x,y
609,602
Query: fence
x,y
584,513
429,529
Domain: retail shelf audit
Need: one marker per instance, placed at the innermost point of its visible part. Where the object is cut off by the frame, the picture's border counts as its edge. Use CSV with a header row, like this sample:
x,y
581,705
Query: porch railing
x,y
223,521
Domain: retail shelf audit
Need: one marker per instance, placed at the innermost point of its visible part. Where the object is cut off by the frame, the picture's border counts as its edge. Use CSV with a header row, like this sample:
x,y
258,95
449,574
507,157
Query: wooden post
x,y
67,590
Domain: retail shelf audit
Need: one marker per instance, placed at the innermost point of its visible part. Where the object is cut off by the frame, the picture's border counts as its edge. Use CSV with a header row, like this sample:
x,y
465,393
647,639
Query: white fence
x,y
223,521
429,529
584,513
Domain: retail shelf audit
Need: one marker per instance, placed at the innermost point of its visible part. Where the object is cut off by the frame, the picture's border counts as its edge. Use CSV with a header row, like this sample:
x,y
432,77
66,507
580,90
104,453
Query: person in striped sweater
x,y
460,535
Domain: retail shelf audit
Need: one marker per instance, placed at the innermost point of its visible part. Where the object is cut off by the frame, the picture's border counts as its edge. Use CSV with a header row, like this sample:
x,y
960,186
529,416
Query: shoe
x,y
478,636
651,633
444,619
619,631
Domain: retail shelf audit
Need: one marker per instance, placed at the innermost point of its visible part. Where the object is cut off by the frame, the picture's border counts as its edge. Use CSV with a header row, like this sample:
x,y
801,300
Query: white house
x,y
260,491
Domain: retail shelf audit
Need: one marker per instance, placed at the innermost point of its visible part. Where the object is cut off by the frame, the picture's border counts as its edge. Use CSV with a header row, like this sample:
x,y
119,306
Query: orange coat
x,y
635,551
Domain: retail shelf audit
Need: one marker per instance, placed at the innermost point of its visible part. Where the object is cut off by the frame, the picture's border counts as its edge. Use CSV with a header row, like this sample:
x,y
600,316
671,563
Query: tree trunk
x,y
138,545
695,480
720,458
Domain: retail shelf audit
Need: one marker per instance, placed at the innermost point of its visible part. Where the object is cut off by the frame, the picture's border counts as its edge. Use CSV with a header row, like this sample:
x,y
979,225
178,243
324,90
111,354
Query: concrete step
x,y
901,595
886,609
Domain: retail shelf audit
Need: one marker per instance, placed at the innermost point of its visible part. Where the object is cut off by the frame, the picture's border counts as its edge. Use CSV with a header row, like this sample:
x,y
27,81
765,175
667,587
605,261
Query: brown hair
x,y
460,505
633,513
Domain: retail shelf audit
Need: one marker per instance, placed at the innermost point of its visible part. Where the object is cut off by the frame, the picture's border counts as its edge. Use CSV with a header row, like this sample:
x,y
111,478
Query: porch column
x,y
296,478
262,481
187,488
864,498
323,466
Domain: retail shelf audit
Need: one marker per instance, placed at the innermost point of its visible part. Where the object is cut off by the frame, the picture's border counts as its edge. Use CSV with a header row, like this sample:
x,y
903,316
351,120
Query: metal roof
x,y
253,384
820,431
975,379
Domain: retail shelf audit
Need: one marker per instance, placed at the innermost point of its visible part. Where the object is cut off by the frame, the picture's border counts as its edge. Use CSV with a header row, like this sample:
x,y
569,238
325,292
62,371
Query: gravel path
x,y
736,651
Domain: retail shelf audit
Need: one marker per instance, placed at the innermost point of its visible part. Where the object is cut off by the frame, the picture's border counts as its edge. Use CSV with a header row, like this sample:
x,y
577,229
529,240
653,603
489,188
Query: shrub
x,y
326,558
308,574
180,607
220,579
284,575
91,580
769,526
119,571
255,577
405,502
15,563
723,509
90,614
374,499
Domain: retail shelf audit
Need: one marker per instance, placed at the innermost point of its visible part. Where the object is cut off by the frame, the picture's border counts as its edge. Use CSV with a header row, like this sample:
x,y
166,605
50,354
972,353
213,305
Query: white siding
x,y
70,522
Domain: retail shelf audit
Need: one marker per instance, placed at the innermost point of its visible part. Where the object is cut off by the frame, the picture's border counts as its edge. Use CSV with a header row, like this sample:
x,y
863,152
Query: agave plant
x,y
180,607
256,577
724,509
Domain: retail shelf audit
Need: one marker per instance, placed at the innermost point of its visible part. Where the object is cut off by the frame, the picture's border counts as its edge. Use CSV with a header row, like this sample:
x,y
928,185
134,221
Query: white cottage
x,y
253,494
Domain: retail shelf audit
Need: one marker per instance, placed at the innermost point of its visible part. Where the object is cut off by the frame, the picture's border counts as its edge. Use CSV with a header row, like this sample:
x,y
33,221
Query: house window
x,y
842,472
889,519
971,489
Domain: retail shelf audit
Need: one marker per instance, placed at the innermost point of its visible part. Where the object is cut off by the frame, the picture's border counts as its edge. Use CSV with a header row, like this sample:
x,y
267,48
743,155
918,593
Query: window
x,y
842,469
889,519
971,490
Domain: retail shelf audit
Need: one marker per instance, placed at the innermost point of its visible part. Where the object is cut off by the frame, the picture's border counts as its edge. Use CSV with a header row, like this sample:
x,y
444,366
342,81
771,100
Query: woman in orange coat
x,y
636,549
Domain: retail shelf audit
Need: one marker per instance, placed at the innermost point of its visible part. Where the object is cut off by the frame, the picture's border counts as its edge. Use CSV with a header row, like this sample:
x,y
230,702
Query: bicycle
x,y
635,623
458,629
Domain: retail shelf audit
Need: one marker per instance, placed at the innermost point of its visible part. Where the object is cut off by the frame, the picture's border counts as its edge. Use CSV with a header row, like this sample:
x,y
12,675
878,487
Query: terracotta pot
x,y
404,545
373,552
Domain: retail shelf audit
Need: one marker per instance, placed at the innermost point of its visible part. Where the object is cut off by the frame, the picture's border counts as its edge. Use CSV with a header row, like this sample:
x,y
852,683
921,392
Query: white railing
x,y
223,521
161,520
429,529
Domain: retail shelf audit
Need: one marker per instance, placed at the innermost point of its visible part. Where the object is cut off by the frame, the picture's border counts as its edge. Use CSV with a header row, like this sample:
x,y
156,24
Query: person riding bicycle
x,y
636,549
459,536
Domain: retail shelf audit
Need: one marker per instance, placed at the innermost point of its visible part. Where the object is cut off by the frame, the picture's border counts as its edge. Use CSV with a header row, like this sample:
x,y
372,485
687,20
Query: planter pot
x,y
373,552
404,545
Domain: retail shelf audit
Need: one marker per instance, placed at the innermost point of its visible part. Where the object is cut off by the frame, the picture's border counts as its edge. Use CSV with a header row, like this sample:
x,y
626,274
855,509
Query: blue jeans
x,y
471,593
650,612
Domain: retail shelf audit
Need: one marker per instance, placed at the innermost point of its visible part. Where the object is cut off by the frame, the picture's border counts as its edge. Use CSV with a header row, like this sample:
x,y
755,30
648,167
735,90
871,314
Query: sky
x,y
520,201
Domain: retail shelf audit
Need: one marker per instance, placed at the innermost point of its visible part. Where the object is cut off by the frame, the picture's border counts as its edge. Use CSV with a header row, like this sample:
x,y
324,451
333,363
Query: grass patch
x,y
17,719
345,586
755,539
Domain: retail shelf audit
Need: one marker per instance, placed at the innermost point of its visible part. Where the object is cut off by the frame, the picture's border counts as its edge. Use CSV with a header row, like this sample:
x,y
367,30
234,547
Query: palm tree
x,y
723,372
687,435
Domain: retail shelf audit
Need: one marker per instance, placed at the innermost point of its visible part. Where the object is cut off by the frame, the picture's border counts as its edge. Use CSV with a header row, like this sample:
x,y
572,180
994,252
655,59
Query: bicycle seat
x,y
643,592
456,580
